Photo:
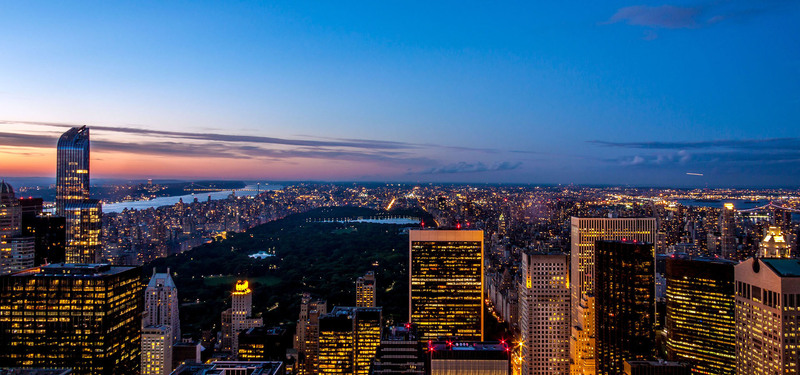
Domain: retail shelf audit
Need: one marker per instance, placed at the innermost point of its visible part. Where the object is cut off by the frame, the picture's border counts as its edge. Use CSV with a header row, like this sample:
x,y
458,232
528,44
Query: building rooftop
x,y
783,267
231,368
74,270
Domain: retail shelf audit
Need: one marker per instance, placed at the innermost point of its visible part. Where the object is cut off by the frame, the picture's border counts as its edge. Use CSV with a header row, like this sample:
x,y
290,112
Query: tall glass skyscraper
x,y
72,197
72,168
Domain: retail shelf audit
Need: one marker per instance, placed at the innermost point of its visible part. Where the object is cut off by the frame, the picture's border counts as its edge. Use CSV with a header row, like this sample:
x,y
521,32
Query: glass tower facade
x,y
625,304
72,168
446,283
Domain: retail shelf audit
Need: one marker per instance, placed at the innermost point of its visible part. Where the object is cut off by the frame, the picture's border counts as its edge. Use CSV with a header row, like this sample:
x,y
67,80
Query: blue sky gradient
x,y
517,92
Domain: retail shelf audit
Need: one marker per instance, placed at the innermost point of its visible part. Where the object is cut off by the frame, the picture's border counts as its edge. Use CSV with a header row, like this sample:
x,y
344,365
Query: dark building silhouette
x,y
49,233
625,303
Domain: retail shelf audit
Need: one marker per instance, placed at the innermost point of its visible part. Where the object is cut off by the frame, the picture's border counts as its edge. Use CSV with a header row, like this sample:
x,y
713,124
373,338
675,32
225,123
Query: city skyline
x,y
646,94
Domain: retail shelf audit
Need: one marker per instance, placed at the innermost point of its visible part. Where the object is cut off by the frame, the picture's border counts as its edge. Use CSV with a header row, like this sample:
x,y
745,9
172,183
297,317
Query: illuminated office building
x,y
399,353
161,304
16,251
727,230
625,304
231,368
156,350
584,233
446,277
262,344
239,316
81,316
767,316
84,226
348,340
306,340
774,245
72,168
544,314
700,324
458,358
72,197
582,341
365,290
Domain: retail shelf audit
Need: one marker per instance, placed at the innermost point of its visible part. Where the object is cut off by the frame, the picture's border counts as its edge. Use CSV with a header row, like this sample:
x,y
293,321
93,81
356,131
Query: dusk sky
x,y
521,92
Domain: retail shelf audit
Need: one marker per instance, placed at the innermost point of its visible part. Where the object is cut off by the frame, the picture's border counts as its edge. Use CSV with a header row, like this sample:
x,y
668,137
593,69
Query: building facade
x,y
365,290
156,350
700,323
72,168
161,304
584,233
81,316
625,304
446,283
767,316
544,308
348,340
306,339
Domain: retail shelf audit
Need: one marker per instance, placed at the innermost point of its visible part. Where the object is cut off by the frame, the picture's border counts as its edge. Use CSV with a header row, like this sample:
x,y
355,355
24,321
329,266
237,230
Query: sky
x,y
614,93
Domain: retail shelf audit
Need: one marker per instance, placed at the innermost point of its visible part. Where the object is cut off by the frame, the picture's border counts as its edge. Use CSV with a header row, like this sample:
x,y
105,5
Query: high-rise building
x,y
16,251
399,353
625,304
767,316
727,230
459,357
72,168
156,350
700,323
240,314
365,290
72,197
84,226
263,344
161,304
544,309
774,245
584,233
49,234
583,345
446,283
160,318
348,340
306,340
81,316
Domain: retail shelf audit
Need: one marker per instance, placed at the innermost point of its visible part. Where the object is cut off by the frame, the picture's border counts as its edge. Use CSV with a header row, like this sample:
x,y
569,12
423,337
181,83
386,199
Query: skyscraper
x,y
767,316
584,233
774,244
625,304
161,303
306,340
72,197
240,315
446,283
72,168
161,324
544,313
16,251
727,230
86,317
156,350
365,290
348,340
700,322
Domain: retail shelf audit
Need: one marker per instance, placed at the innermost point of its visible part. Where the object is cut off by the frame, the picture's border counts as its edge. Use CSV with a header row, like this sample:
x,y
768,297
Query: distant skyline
x,y
677,93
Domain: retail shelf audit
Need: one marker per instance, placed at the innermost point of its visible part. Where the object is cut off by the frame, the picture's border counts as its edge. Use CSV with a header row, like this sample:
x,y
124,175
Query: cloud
x,y
693,17
665,16
464,167
739,144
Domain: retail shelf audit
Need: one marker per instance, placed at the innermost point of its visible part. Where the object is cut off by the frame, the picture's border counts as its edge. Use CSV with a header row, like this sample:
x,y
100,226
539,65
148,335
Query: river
x,y
188,198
